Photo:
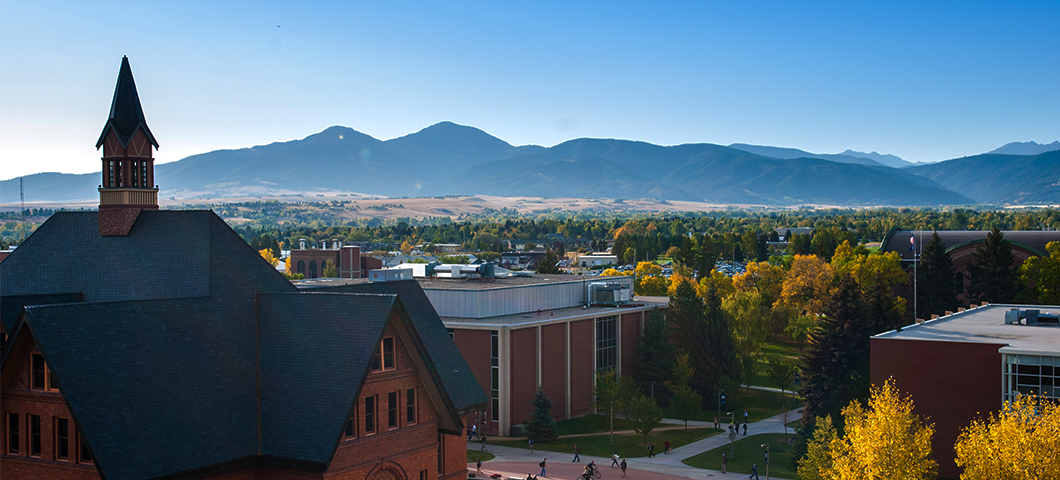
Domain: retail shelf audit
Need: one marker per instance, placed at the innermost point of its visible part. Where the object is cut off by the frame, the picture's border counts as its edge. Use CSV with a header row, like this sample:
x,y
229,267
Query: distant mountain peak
x,y
1026,148
884,158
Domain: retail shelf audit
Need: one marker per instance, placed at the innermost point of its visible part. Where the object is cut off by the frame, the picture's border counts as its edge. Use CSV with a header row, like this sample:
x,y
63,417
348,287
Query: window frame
x,y
370,415
393,420
411,412
48,380
14,436
84,454
384,360
35,438
62,439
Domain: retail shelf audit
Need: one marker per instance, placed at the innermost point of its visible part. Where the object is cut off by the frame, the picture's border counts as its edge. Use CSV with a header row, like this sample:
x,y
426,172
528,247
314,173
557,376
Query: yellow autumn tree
x,y
763,278
611,272
650,280
268,256
883,441
808,284
287,265
720,281
1022,442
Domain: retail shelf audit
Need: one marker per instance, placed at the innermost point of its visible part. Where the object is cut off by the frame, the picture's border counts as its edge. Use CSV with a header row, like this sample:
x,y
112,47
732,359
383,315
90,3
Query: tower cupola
x,y
128,165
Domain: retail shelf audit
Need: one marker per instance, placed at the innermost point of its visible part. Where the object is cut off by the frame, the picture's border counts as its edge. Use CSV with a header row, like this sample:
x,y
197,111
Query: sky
x,y
926,81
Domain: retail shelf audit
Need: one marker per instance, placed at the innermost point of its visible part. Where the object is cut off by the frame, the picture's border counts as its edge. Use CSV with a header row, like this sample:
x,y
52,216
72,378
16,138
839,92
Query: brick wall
x,y
582,351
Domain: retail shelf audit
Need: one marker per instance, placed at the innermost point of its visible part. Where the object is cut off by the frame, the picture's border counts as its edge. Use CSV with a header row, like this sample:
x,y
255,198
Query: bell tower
x,y
128,165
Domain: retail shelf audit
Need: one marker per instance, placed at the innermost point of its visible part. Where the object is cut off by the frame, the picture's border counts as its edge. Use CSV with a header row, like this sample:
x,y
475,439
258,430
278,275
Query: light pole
x,y
766,445
732,436
612,422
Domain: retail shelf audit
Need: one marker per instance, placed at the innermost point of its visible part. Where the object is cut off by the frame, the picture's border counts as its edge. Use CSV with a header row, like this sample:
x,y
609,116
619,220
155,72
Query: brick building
x,y
961,245
121,366
311,262
964,366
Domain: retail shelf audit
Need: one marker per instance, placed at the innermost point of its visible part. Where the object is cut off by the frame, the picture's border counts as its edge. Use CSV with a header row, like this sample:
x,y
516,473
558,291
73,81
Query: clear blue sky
x,y
923,80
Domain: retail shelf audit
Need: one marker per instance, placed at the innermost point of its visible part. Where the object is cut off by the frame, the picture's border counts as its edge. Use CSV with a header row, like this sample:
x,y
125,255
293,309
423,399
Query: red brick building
x,y
348,260
965,366
121,366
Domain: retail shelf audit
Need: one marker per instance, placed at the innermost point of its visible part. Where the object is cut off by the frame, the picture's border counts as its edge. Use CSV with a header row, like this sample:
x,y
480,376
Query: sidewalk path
x,y
517,462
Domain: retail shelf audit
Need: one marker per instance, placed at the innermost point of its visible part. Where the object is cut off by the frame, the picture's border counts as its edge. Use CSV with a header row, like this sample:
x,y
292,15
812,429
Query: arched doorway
x,y
301,268
312,269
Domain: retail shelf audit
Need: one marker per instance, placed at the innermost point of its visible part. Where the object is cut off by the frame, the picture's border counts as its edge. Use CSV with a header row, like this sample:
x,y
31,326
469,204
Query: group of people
x,y
734,427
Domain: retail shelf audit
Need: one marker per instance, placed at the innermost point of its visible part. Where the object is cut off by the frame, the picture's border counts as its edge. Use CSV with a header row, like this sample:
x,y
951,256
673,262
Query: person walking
x,y
717,425
666,446
614,459
576,452
651,449
724,462
745,428
745,416
478,465
531,445
623,467
543,461
754,472
482,439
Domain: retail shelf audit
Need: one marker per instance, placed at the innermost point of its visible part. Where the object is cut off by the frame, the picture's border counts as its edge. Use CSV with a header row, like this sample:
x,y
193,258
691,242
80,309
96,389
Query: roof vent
x,y
1032,317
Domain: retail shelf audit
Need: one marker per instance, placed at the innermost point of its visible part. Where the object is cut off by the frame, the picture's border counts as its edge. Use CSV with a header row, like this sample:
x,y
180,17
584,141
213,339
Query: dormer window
x,y
384,356
42,378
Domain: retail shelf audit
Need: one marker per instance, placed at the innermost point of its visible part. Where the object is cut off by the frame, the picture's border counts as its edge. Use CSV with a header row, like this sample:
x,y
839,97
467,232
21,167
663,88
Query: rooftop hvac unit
x,y
608,293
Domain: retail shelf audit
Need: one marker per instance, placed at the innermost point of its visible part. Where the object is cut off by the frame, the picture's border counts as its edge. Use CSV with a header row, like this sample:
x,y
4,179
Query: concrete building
x,y
964,366
595,260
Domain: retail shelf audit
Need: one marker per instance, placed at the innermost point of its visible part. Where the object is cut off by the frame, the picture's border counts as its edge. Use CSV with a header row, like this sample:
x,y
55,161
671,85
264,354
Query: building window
x,y
312,269
62,438
384,357
1031,375
301,267
34,435
392,409
452,333
410,406
351,428
495,384
606,343
12,433
84,451
423,475
441,454
41,377
369,414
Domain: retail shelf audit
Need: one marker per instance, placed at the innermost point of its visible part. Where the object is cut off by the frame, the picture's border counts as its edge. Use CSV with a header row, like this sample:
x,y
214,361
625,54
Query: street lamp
x,y
732,436
766,445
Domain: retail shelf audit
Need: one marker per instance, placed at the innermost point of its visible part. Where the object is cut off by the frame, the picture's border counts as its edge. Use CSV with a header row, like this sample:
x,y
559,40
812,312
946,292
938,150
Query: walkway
x,y
518,462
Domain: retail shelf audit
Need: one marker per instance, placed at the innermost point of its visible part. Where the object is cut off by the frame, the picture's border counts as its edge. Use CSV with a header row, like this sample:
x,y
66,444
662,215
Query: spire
x,y
126,115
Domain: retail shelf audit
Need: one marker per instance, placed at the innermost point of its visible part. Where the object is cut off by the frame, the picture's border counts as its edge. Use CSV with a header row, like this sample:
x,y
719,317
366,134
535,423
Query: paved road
x,y
518,462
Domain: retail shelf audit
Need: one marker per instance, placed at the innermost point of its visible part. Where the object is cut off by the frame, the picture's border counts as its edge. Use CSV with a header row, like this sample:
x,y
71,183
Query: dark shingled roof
x,y
168,254
126,114
461,385
1032,240
160,364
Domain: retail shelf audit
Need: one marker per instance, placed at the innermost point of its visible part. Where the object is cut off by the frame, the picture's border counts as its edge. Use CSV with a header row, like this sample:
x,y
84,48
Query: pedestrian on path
x,y
623,467
478,465
614,459
483,440
745,416
543,460
724,462
666,446
745,429
754,472
651,449
576,452
531,445
716,424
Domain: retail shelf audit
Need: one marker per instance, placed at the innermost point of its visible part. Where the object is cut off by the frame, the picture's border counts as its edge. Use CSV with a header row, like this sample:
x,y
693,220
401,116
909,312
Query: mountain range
x,y
447,158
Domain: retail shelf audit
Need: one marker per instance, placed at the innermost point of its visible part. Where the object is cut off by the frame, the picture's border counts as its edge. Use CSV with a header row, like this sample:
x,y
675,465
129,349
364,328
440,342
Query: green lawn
x,y
591,423
759,404
748,450
781,347
627,445
474,455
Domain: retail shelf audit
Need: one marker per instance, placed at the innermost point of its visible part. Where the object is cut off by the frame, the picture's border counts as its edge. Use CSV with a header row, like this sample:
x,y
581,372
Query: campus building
x,y
966,365
961,245
142,343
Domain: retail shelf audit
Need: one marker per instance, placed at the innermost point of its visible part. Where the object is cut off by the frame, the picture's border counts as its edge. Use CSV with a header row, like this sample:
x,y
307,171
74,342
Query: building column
x,y
537,353
504,371
618,346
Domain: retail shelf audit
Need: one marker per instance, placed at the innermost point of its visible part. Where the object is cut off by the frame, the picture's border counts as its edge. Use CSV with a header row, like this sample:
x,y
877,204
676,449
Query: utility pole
x,y
767,459
732,436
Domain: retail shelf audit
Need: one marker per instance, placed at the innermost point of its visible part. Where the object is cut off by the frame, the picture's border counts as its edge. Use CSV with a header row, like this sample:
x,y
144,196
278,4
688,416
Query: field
x,y
747,452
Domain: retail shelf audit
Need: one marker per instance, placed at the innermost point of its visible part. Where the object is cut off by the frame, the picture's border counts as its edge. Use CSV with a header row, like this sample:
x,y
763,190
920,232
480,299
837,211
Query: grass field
x,y
591,423
758,403
747,452
628,445
782,348
474,455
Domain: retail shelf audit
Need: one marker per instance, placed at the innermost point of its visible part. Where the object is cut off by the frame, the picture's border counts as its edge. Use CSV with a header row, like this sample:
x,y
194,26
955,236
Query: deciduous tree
x,y
643,416
1042,277
1019,442
269,257
808,284
883,441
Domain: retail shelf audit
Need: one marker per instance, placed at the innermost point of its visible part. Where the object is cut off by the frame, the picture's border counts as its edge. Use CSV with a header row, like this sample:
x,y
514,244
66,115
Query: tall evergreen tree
x,y
655,357
835,364
994,277
541,427
549,264
936,280
706,256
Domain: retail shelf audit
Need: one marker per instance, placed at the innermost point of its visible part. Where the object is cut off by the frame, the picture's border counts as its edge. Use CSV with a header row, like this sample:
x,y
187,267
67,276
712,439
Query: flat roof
x,y
551,316
987,325
492,283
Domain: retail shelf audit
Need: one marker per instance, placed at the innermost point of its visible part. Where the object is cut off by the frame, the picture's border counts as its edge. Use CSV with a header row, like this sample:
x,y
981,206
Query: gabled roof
x,y
126,114
168,254
460,383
